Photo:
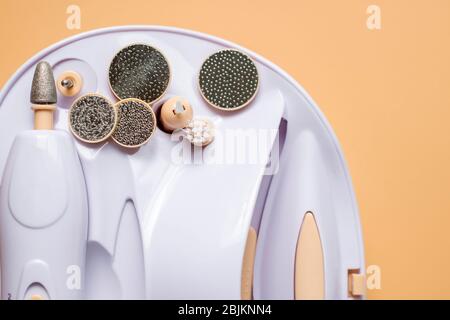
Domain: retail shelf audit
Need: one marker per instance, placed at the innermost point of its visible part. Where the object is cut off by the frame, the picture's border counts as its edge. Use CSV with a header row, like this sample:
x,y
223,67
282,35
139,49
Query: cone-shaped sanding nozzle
x,y
43,89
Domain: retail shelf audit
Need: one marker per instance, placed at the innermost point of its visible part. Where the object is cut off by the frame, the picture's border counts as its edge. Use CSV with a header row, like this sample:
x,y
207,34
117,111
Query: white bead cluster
x,y
200,132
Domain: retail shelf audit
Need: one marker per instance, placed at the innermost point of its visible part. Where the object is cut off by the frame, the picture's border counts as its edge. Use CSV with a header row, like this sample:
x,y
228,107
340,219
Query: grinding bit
x,y
43,89
92,118
136,123
228,80
139,71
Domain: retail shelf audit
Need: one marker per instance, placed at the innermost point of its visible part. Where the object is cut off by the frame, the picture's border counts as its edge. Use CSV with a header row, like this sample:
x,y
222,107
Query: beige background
x,y
386,94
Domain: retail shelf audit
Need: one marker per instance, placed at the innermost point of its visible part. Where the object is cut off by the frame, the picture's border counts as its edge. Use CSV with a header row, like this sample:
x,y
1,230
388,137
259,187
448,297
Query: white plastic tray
x,y
163,230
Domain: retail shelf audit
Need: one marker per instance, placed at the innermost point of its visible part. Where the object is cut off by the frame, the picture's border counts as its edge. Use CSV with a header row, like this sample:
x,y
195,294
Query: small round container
x,y
139,71
228,80
136,123
92,118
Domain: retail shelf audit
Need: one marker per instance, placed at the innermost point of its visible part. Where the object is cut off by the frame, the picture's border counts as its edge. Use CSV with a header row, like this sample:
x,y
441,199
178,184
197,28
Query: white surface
x,y
192,220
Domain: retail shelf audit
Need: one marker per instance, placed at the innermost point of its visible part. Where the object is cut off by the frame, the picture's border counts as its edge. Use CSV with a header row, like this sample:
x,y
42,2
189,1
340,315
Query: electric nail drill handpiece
x,y
43,207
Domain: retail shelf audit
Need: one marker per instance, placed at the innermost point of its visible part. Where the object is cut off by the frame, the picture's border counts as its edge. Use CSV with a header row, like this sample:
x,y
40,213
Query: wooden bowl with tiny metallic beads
x,y
92,118
228,80
139,71
136,123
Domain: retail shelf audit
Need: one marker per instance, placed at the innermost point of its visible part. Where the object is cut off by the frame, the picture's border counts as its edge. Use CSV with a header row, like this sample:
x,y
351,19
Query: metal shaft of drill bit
x,y
178,108
67,83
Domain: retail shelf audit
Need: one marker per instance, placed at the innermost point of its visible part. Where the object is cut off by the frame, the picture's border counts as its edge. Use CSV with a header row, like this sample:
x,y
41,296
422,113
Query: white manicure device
x,y
43,207
285,226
